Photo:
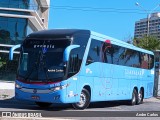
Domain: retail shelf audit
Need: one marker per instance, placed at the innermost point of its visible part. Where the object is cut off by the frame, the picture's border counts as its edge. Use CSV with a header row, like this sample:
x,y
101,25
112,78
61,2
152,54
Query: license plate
x,y
35,97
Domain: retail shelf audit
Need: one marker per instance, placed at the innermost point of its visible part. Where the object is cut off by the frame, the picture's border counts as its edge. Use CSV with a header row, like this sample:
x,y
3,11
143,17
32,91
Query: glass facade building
x,y
18,18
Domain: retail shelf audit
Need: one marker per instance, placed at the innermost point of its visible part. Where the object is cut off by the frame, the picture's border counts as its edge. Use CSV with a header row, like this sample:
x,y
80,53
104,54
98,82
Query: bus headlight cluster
x,y
17,86
59,87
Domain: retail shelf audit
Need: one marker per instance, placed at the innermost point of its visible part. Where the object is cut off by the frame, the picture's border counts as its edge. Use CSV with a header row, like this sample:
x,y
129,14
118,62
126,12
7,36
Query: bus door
x,y
93,70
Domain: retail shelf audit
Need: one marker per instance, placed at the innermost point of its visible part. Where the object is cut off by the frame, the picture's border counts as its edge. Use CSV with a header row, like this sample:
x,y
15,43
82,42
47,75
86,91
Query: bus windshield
x,y
42,60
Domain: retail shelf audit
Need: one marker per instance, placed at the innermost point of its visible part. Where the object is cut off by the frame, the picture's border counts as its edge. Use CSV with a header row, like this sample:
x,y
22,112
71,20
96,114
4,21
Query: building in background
x,y
18,18
150,26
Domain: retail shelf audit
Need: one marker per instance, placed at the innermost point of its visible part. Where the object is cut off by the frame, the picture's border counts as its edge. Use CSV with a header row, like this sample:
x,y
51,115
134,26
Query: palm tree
x,y
147,42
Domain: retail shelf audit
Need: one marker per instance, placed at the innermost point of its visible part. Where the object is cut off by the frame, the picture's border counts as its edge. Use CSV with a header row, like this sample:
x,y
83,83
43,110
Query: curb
x,y
6,89
7,85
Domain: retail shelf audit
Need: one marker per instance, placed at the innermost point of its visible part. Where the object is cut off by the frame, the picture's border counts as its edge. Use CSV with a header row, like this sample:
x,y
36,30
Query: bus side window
x,y
74,65
151,62
132,58
108,55
119,55
94,52
144,61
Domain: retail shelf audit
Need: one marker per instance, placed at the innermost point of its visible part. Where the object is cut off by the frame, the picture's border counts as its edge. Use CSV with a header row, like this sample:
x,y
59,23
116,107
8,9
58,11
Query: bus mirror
x,y
67,52
12,50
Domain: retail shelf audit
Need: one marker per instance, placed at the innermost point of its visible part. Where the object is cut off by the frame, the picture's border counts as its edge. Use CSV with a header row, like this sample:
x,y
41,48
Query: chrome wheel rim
x,y
134,98
82,101
140,97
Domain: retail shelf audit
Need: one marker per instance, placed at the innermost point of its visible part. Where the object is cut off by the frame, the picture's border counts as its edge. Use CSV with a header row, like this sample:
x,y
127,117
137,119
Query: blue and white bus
x,y
81,66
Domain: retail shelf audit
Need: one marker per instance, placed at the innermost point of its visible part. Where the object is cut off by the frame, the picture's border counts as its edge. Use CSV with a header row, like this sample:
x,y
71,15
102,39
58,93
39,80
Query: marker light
x,y
108,41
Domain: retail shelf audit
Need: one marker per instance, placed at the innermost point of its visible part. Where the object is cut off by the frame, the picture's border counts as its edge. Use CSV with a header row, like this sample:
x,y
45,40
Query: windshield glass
x,y
42,60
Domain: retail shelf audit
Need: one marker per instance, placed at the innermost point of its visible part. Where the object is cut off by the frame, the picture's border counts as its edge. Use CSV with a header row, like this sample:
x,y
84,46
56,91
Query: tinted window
x,y
108,55
118,55
94,52
131,58
114,54
74,64
77,54
42,60
151,61
144,60
23,4
12,30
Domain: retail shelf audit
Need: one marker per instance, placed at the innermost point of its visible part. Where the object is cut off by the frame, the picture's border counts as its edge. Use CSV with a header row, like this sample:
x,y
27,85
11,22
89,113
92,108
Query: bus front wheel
x,y
84,100
43,104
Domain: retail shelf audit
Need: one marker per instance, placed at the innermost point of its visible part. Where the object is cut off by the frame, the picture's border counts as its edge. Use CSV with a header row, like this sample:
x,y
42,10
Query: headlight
x,y
59,87
17,86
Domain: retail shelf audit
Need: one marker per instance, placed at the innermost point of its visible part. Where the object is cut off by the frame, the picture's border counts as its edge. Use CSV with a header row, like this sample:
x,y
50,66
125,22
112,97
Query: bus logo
x,y
34,90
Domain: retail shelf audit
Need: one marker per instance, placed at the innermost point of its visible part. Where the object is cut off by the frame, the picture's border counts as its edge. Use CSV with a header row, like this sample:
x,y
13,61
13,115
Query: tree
x,y
4,36
147,42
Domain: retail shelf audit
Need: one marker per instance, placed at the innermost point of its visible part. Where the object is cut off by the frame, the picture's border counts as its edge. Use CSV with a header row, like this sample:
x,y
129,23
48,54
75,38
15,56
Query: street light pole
x,y
148,17
148,14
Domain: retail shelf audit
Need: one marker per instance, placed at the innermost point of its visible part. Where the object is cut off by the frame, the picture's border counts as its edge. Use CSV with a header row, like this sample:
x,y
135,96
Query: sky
x,y
114,18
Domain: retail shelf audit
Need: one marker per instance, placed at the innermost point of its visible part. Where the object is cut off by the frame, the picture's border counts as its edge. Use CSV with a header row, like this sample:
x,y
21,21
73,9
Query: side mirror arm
x,y
12,50
67,52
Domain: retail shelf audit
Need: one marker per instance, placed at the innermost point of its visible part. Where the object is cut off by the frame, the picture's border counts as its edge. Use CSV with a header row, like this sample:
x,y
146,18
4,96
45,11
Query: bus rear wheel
x,y
43,104
140,97
84,100
134,99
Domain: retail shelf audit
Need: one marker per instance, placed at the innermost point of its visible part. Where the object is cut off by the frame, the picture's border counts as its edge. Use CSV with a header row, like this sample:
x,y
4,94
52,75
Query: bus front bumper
x,y
51,97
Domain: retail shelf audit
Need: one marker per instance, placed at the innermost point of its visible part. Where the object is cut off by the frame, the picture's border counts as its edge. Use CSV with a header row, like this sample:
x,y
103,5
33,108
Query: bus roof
x,y
64,32
119,42
56,32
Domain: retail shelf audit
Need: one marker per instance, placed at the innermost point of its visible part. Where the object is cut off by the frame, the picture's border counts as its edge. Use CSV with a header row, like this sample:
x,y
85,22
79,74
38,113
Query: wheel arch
x,y
136,88
142,88
85,98
87,87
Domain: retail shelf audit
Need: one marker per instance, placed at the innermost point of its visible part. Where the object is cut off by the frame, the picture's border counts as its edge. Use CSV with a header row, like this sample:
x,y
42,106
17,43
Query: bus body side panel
x,y
106,81
71,90
123,89
91,76
86,82
149,84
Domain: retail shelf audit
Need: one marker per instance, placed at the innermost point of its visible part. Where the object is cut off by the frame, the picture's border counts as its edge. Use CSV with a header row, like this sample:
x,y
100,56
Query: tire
x,y
84,100
43,104
140,97
133,101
